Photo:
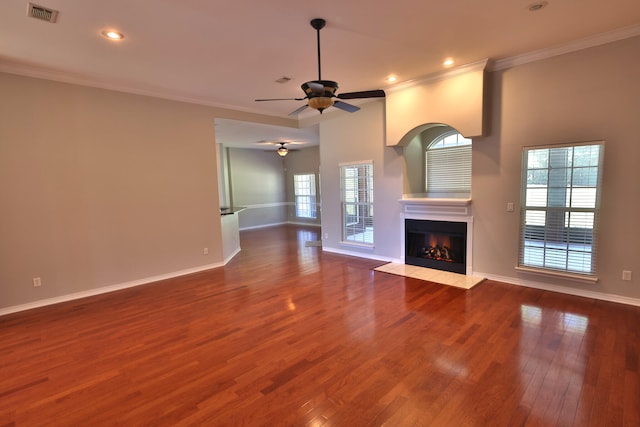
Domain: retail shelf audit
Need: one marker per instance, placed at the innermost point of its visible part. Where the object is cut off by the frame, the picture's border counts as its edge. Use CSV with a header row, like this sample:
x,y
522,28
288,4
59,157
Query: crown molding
x,y
484,64
442,75
585,43
70,78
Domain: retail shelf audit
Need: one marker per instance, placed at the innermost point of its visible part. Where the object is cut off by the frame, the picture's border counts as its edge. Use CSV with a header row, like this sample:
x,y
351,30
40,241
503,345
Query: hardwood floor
x,y
288,335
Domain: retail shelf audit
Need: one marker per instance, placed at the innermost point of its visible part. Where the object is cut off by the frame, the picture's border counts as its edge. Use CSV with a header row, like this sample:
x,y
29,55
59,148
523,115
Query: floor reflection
x,y
550,337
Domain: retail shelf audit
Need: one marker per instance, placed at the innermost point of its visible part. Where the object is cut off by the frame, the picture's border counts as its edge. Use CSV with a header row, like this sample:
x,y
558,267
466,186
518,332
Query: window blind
x,y
449,169
559,207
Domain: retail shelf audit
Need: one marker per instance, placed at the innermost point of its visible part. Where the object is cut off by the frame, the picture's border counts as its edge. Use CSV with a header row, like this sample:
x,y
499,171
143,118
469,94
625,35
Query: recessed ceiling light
x,y
391,78
112,35
534,7
448,62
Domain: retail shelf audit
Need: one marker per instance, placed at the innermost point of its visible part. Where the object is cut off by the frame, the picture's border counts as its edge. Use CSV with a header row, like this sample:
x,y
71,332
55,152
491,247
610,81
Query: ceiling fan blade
x,y
346,107
298,111
379,93
279,99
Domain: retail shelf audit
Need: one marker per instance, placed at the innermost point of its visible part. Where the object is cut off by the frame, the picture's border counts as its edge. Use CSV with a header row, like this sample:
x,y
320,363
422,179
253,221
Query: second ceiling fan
x,y
321,94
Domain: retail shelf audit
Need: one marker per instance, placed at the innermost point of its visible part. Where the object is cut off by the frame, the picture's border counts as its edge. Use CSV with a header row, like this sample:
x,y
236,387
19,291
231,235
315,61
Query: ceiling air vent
x,y
42,13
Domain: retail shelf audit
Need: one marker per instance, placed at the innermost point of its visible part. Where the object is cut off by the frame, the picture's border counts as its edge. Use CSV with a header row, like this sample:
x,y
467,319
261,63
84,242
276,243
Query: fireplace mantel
x,y
439,209
442,208
435,201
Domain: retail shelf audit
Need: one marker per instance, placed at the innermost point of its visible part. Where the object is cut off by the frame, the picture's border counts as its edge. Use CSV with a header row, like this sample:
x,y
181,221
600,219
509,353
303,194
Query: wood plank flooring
x,y
288,335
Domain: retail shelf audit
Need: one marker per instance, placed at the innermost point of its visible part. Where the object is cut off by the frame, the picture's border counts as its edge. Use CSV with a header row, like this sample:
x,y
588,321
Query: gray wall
x,y
262,182
360,137
257,182
100,188
586,95
302,161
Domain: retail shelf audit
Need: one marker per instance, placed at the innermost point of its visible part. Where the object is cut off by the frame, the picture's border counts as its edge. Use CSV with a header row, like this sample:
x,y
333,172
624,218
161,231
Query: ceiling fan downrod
x,y
318,24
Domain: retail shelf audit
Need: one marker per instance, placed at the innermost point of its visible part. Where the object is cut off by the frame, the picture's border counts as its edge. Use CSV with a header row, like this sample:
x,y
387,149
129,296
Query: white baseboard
x,y
275,224
147,280
561,289
106,289
360,255
512,281
230,257
311,224
256,227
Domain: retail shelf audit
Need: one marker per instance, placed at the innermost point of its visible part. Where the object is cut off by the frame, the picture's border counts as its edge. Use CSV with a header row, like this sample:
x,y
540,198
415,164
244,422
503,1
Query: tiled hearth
x,y
464,281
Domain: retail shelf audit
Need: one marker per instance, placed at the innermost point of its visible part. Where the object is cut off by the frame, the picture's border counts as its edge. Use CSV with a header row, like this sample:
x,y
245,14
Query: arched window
x,y
448,165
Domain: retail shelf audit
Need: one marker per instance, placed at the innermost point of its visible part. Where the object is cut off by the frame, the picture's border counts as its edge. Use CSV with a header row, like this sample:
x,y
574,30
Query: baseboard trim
x,y
275,224
512,281
561,289
230,257
360,255
256,227
311,224
106,289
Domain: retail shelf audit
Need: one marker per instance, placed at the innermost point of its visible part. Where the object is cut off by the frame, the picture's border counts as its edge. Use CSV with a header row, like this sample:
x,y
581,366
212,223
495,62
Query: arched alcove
x,y
415,144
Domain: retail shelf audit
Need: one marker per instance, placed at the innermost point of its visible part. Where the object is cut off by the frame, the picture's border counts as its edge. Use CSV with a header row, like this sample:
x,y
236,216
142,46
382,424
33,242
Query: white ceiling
x,y
228,53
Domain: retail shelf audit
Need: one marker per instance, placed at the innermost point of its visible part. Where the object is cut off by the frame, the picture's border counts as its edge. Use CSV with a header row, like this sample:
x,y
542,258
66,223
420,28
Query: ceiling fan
x,y
282,150
321,94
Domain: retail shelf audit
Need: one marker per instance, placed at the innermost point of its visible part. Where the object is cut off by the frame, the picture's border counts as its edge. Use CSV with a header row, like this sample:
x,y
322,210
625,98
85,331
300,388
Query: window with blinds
x,y
559,207
304,189
448,164
356,189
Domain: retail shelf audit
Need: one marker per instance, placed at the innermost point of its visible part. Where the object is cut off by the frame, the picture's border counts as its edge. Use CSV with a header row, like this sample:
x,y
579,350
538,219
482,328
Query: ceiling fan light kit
x,y
321,94
283,151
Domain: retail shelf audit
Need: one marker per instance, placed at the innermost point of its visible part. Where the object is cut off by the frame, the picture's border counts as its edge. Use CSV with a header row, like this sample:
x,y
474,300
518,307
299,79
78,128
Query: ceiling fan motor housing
x,y
320,93
326,88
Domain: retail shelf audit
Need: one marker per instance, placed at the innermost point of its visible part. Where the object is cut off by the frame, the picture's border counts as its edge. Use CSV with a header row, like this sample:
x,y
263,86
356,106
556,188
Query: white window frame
x,y
560,203
304,191
356,195
448,165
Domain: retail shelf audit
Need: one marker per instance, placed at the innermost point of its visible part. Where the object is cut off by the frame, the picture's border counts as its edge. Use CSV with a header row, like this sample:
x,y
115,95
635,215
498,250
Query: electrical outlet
x,y
37,282
626,275
205,251
326,235
510,207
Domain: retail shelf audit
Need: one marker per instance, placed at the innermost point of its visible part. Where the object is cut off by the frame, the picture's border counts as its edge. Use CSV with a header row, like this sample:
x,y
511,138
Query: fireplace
x,y
441,245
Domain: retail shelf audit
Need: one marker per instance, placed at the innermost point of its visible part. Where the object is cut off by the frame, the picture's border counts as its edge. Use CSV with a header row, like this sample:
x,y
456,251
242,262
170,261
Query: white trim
x,y
360,255
268,205
438,209
364,246
230,257
356,163
313,224
561,289
501,64
555,273
440,75
275,224
585,43
66,77
255,227
106,289
433,201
